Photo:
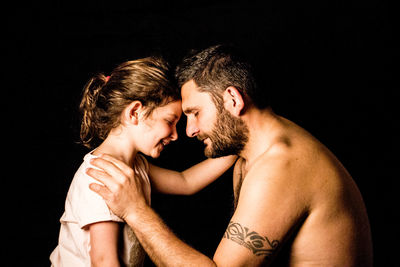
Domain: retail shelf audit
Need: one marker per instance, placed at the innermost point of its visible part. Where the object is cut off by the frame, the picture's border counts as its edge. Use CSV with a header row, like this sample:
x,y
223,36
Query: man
x,y
295,204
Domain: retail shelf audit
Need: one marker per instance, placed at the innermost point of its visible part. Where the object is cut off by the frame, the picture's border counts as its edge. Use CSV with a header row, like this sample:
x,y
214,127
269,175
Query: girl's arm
x,y
104,243
191,180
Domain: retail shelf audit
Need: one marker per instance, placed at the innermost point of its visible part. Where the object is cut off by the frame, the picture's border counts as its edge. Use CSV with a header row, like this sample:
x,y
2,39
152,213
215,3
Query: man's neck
x,y
264,129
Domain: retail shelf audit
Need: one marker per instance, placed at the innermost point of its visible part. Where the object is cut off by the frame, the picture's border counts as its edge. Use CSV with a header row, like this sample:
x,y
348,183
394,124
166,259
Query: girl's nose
x,y
174,135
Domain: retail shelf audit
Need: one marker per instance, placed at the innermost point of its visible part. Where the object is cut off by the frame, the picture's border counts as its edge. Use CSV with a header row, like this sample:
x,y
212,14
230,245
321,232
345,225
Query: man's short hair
x,y
218,67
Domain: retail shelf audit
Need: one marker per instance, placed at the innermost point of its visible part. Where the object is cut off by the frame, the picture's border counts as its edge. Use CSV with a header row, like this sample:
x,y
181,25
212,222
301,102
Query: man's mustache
x,y
202,137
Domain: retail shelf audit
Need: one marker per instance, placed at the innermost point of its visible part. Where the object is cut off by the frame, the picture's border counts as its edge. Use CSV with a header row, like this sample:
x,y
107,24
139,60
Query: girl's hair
x,y
147,80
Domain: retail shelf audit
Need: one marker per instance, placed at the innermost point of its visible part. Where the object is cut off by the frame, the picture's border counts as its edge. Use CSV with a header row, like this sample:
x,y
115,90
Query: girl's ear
x,y
233,101
132,112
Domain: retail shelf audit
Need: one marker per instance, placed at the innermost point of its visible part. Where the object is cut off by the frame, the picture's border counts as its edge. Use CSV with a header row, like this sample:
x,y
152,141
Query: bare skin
x,y
296,205
297,190
124,142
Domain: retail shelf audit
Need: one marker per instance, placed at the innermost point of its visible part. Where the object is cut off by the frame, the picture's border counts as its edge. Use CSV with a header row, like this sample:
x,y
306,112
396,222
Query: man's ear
x,y
233,101
132,112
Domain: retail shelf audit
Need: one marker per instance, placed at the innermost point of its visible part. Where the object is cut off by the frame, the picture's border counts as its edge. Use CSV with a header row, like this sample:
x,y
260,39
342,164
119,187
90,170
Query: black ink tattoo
x,y
259,245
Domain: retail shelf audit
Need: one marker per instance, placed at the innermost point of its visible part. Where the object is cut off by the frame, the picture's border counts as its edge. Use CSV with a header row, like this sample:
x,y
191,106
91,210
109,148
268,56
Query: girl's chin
x,y
155,153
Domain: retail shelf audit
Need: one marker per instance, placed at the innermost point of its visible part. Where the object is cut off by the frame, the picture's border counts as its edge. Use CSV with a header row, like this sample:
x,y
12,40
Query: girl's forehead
x,y
173,108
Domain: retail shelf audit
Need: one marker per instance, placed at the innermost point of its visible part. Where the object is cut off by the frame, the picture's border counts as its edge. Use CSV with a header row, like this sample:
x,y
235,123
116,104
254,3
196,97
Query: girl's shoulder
x,y
81,179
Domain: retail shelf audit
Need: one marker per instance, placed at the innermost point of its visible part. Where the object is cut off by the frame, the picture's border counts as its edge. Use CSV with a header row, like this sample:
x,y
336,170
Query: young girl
x,y
134,110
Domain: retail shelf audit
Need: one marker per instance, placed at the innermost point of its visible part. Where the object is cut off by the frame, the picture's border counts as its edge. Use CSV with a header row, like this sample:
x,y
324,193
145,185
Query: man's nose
x,y
191,129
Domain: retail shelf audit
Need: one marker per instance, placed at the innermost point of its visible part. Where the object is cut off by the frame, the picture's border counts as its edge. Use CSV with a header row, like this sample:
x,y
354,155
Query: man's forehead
x,y
190,95
189,88
194,100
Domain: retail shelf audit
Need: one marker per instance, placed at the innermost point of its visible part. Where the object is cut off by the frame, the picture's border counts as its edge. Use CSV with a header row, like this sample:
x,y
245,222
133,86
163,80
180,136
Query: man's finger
x,y
101,190
120,164
109,168
102,177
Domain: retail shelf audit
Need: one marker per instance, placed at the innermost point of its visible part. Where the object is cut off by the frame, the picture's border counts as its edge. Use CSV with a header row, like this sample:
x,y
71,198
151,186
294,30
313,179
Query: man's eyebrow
x,y
190,110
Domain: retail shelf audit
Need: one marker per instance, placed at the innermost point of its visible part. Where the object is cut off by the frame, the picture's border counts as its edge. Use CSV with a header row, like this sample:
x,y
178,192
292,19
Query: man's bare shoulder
x,y
281,174
282,160
293,168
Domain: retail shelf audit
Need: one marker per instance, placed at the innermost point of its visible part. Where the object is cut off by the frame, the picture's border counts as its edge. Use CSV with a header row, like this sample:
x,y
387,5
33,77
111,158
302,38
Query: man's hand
x,y
122,192
124,195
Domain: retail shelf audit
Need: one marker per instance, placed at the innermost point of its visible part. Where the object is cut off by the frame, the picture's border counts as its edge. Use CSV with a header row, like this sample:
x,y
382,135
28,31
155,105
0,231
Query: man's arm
x,y
267,210
123,194
272,203
161,244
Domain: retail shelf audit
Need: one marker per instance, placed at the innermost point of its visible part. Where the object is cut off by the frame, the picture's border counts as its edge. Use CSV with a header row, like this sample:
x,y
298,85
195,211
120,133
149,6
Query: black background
x,y
332,67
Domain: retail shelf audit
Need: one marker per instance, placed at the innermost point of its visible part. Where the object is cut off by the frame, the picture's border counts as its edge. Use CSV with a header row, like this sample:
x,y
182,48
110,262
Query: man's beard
x,y
228,137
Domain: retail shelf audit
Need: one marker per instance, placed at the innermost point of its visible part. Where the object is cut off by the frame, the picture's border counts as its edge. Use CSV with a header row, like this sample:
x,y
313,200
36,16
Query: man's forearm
x,y
162,246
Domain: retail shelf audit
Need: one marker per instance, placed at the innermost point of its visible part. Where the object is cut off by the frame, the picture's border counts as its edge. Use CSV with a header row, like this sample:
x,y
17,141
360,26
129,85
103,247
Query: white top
x,y
84,207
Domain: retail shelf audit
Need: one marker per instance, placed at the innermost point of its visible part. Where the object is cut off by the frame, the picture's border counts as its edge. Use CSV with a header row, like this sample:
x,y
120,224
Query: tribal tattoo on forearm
x,y
259,245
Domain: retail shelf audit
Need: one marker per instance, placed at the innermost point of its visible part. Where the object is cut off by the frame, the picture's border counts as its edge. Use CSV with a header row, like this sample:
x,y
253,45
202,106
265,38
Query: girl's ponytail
x,y
89,109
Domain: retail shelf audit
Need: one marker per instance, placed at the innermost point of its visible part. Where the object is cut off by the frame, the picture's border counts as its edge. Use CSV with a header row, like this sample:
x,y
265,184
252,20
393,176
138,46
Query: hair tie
x,y
107,78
